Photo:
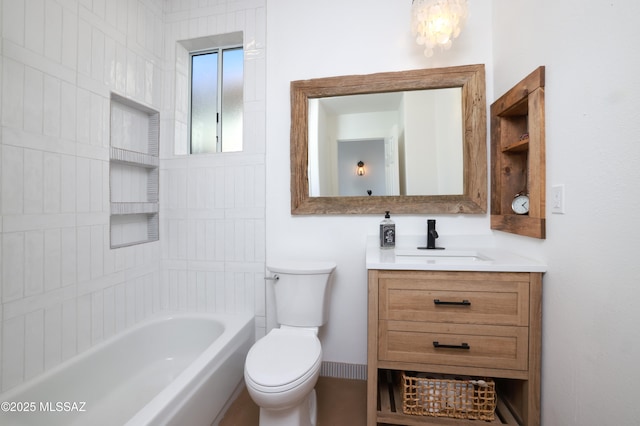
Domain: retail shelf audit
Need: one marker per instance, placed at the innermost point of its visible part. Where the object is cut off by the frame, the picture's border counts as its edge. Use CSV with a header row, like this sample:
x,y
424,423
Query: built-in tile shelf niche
x,y
133,172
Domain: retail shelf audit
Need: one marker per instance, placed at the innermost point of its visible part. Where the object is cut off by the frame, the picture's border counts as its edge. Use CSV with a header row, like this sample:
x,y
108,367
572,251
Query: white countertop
x,y
454,258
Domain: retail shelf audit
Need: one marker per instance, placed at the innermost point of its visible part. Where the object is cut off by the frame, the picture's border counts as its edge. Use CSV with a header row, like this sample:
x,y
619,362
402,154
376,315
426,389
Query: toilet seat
x,y
283,359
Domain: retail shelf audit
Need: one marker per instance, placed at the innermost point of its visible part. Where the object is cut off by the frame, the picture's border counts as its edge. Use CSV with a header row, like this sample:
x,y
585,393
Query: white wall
x,y
591,339
329,38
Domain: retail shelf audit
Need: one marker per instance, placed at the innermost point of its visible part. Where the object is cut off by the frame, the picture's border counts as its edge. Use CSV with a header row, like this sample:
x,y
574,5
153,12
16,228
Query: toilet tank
x,y
302,292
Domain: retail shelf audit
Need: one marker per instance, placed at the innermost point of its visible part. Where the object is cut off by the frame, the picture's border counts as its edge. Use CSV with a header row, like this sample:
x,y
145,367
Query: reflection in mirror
x,y
411,142
322,140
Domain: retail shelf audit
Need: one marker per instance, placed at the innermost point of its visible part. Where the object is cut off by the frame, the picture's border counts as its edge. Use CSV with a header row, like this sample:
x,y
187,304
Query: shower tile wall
x,y
62,288
213,205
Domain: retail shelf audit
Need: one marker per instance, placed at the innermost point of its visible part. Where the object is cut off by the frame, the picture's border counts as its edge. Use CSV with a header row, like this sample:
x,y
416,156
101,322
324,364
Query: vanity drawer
x,y
455,297
501,347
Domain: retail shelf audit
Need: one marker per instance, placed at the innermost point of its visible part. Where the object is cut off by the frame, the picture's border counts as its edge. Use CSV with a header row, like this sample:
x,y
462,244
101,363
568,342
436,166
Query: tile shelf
x,y
134,173
119,208
134,158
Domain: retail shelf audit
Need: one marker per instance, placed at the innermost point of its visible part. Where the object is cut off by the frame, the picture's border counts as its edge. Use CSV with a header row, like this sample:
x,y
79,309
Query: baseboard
x,y
343,370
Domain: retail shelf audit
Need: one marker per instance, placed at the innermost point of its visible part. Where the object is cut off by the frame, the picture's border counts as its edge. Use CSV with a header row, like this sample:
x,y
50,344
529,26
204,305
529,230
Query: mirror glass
x,y
408,142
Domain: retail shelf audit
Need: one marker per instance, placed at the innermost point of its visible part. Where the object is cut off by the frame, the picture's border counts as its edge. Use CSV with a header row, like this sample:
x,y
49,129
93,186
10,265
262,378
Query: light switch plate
x,y
557,199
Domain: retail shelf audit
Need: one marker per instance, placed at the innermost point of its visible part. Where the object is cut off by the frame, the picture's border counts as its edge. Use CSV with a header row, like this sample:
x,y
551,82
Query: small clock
x,y
520,203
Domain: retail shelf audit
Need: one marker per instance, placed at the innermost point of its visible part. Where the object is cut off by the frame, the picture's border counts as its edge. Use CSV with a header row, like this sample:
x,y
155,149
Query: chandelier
x,y
437,22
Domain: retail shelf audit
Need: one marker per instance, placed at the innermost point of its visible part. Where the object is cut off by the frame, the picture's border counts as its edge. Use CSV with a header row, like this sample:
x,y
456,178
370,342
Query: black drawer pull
x,y
460,346
465,302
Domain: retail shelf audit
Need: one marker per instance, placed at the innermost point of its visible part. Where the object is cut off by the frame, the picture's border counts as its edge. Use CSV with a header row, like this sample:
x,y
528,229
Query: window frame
x,y
219,50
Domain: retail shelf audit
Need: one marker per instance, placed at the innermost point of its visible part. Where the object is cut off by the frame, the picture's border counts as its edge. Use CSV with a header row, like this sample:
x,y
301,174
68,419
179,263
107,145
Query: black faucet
x,y
432,234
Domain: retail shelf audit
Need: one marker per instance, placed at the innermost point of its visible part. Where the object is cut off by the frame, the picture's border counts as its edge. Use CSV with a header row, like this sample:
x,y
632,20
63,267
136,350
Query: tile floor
x,y
341,402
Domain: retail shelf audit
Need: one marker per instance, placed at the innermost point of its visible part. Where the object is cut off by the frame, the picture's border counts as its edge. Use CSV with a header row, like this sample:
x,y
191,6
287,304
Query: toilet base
x,y
303,414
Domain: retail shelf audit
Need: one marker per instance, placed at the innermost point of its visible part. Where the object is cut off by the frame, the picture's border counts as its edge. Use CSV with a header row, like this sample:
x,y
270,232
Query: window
x,y
216,100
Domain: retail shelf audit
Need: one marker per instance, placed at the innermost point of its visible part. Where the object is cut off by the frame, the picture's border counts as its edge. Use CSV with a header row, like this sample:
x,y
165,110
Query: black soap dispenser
x,y
387,232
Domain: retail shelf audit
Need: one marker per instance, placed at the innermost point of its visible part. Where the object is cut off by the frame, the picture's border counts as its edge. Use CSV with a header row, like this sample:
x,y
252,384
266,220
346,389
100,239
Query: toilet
x,y
282,368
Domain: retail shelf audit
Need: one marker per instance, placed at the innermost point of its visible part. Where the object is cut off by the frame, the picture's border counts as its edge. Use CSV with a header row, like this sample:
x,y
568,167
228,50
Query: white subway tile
x,y
121,68
97,317
69,331
109,306
97,251
96,119
150,283
52,259
97,55
201,290
53,31
33,100
83,185
33,182
34,25
110,60
210,288
139,298
131,65
12,92
68,184
13,351
83,116
140,74
51,185
33,262
83,253
141,25
84,47
83,324
191,291
120,313
149,82
68,102
69,261
96,186
130,303
111,13
52,336
123,16
34,344
69,38
12,179
51,110
221,291
98,8
13,17
259,295
13,252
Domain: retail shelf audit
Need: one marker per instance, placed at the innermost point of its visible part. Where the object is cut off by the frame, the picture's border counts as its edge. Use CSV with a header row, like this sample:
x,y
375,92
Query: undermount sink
x,y
440,256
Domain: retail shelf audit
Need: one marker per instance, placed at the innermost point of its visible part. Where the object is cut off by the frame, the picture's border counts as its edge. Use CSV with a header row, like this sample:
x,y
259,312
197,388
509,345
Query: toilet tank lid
x,y
301,267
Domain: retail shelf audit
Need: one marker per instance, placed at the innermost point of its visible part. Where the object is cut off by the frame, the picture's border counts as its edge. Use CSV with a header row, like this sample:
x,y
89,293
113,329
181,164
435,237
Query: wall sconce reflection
x,y
360,169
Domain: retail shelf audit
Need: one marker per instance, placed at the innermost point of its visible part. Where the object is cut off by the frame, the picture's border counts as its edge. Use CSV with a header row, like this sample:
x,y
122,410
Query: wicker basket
x,y
441,396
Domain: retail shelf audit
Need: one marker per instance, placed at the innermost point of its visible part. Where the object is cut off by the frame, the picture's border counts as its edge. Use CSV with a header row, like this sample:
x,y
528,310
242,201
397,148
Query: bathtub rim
x,y
191,377
240,320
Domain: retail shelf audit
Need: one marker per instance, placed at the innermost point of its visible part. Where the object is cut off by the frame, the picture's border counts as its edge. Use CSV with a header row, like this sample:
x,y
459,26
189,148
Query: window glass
x,y
204,102
232,82
216,100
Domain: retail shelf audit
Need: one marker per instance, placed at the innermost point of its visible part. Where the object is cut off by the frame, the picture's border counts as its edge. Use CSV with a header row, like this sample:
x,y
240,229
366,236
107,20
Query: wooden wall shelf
x,y
518,156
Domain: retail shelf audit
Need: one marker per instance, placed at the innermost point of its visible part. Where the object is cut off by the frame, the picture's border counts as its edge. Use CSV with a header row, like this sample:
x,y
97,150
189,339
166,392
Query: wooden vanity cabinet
x,y
496,314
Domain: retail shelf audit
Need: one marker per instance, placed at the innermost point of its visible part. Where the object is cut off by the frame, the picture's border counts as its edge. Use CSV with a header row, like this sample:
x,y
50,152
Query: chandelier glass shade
x,y
435,23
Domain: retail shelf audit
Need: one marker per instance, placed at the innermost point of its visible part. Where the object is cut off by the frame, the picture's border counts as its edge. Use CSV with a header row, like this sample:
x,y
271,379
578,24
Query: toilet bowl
x,y
282,368
281,371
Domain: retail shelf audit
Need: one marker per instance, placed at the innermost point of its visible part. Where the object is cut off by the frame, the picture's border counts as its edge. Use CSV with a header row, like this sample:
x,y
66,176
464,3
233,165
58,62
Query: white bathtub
x,y
175,370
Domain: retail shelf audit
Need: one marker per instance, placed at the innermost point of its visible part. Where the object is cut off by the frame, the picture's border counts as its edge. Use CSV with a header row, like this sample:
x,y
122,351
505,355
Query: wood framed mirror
x,y
473,199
